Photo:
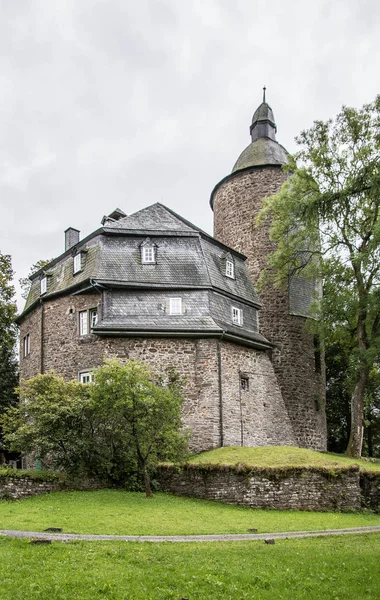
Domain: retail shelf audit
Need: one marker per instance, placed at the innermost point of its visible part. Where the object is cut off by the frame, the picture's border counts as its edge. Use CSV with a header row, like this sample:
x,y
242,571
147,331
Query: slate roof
x,y
186,257
262,151
263,113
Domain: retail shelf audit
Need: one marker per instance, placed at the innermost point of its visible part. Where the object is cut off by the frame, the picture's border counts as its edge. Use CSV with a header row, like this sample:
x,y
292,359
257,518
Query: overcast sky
x,y
118,103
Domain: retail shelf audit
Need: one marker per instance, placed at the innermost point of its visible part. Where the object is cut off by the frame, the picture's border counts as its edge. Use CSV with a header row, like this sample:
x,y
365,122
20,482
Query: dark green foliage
x,y
326,225
36,475
115,429
8,334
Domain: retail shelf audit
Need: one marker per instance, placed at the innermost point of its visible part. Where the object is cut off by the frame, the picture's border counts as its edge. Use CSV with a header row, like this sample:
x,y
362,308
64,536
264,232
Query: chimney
x,y
71,237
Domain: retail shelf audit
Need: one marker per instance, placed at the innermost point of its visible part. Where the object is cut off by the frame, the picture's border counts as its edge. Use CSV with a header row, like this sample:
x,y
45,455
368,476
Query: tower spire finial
x,y
264,89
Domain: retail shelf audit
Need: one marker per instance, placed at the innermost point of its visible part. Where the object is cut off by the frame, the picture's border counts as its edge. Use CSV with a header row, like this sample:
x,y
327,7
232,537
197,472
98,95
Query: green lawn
x,y
130,513
345,568
279,456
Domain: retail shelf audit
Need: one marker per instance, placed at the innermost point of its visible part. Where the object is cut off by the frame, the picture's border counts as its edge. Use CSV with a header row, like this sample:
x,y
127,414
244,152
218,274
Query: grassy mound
x,y
280,457
131,513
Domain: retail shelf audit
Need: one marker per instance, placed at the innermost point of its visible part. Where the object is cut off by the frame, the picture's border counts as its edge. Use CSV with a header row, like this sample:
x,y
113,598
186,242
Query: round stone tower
x,y
236,202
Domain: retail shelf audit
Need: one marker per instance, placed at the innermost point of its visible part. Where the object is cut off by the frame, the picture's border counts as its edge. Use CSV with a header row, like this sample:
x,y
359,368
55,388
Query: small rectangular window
x,y
86,377
237,316
244,383
148,254
230,270
93,317
175,306
77,263
43,285
26,345
83,322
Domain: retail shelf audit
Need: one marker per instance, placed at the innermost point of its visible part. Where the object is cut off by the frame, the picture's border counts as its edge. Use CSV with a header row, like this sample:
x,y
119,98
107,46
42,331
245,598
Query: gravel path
x,y
238,537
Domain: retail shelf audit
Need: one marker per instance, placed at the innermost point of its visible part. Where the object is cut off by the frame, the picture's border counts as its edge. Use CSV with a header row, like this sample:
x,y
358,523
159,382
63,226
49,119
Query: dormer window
x,y
148,252
77,266
228,265
43,285
230,269
237,316
175,306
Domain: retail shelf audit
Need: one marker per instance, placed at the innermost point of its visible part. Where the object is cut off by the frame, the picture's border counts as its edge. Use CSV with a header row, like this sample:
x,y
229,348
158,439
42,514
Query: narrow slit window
x,y
43,285
175,307
244,383
26,345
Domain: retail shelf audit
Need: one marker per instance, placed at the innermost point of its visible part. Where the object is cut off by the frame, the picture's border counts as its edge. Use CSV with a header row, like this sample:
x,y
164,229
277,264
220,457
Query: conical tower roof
x,y
264,149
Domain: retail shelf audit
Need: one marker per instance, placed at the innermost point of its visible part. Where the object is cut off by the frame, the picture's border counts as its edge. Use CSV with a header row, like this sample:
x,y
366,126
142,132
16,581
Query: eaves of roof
x,y
254,341
83,286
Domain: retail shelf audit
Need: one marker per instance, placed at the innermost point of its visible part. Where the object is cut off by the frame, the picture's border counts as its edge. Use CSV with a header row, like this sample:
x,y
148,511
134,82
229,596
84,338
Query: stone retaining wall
x,y
295,488
17,487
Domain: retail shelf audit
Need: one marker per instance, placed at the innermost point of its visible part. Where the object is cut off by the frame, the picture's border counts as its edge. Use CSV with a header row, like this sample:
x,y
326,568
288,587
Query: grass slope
x,y
330,568
130,513
279,456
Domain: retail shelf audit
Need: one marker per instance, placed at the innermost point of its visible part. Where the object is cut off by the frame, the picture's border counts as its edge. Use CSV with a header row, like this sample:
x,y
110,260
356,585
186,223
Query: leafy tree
x,y
147,412
8,333
25,282
123,422
325,222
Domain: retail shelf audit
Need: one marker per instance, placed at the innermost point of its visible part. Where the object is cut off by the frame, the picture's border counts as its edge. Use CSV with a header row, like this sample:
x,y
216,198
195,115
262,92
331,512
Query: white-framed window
x,y
175,306
93,317
26,345
77,265
43,285
83,322
148,254
230,269
237,315
86,377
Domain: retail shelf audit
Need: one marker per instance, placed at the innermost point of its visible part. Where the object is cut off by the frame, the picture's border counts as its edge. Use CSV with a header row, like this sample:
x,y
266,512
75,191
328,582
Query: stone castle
x,y
152,286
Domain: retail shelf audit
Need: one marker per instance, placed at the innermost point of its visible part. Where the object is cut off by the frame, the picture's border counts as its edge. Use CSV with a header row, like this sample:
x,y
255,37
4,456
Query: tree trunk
x,y
370,440
355,443
148,489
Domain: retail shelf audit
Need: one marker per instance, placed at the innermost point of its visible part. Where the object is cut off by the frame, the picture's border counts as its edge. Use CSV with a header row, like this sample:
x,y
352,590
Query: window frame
x,y
76,258
230,268
26,345
92,312
172,302
148,249
43,285
237,317
83,331
84,374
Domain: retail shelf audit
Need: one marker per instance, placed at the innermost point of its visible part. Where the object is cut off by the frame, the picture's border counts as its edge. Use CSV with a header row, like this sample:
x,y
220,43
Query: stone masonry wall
x,y
297,489
17,488
254,417
237,202
257,416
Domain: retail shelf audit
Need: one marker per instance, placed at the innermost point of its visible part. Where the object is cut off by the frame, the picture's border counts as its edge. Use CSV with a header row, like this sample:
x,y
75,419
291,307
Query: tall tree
x,y
145,411
326,223
8,335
